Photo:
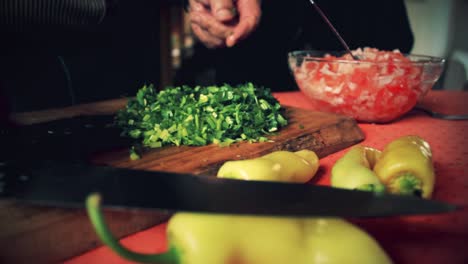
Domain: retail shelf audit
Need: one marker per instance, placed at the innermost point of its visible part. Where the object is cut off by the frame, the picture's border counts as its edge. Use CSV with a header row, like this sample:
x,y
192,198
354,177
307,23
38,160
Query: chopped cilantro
x,y
134,154
199,115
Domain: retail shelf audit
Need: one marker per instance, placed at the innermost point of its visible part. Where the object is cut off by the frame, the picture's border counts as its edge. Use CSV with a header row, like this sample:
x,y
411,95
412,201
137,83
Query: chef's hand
x,y
219,23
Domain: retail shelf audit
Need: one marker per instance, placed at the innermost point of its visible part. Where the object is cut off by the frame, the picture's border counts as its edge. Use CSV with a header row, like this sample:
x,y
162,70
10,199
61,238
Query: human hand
x,y
219,23
249,18
211,20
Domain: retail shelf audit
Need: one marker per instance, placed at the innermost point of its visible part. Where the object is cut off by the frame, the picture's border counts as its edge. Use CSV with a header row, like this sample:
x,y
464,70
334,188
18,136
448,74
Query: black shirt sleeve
x,y
49,60
17,15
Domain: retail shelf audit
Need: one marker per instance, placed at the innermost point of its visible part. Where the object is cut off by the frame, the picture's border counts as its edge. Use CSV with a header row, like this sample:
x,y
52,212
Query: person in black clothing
x,y
261,57
55,53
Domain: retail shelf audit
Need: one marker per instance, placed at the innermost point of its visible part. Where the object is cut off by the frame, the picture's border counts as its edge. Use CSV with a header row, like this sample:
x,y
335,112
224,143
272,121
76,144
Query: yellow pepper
x,y
354,170
282,166
406,167
196,238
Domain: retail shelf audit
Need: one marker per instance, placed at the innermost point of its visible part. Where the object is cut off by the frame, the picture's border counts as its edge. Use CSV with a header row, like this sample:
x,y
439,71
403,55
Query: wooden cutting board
x,y
47,235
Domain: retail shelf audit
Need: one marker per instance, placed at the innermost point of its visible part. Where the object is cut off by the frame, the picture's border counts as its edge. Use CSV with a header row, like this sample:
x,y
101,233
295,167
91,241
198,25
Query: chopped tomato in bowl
x,y
379,87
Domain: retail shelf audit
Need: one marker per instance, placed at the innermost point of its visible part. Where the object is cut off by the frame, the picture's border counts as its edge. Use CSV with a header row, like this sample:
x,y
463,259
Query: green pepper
x,y
196,238
354,170
406,167
282,166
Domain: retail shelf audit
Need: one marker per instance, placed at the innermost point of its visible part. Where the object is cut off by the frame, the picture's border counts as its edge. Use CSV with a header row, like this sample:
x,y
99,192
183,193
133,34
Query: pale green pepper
x,y
355,170
196,238
282,166
406,167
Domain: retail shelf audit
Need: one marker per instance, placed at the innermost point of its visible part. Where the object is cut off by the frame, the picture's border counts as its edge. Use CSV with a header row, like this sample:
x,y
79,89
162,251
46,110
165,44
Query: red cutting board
x,y
47,235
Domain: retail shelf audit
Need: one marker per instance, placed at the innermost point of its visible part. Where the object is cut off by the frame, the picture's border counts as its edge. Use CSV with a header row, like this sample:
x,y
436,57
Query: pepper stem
x,y
406,184
93,207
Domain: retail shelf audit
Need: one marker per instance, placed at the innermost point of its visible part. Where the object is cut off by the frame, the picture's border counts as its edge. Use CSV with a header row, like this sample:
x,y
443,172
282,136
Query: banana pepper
x,y
196,238
355,170
406,167
283,166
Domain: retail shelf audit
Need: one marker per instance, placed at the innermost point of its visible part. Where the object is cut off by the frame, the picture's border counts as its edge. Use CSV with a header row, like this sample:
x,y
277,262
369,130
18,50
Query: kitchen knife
x,y
67,183
71,138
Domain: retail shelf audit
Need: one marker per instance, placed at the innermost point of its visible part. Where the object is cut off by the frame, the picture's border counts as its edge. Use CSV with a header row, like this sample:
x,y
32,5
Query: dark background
x,y
54,66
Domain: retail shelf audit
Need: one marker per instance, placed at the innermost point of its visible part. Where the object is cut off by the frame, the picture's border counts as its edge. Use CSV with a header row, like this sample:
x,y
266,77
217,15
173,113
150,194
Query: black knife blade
x,y
67,183
71,138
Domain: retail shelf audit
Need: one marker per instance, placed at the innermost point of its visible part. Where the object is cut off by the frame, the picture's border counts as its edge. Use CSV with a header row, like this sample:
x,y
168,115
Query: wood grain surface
x,y
50,235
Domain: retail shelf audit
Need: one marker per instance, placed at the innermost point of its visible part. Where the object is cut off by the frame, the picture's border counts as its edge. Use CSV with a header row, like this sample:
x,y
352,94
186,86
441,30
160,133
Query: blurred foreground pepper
x,y
406,167
216,239
283,166
354,170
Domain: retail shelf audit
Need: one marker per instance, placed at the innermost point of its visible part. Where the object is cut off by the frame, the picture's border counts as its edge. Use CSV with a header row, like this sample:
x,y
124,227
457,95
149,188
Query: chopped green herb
x,y
134,154
198,115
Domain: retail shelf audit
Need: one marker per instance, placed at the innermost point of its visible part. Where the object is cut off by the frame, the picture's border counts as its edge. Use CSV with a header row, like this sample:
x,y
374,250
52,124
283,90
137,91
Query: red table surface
x,y
426,239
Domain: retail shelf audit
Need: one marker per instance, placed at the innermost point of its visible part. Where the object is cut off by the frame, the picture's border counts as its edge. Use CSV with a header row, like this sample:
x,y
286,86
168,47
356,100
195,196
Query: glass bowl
x,y
378,88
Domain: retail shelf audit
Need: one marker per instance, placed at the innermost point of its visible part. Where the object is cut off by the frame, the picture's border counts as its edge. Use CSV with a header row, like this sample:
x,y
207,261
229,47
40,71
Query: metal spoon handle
x,y
441,115
333,29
